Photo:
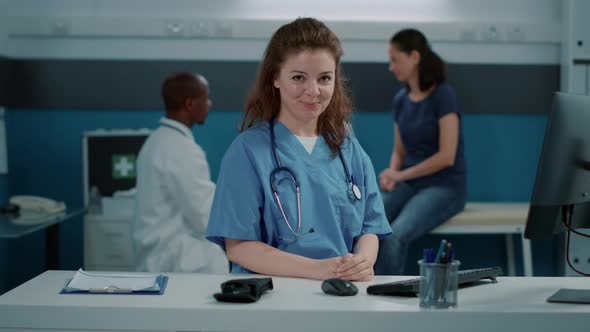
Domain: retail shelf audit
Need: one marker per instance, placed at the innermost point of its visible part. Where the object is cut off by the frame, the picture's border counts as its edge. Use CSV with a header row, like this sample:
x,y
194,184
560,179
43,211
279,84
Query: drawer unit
x,y
107,243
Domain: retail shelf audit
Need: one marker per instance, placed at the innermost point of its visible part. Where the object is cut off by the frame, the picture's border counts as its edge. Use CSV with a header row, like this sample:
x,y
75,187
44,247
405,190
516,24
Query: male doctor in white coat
x,y
174,188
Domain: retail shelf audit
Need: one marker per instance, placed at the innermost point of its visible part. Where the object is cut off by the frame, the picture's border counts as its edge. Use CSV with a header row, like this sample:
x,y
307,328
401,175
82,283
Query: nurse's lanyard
x,y
353,190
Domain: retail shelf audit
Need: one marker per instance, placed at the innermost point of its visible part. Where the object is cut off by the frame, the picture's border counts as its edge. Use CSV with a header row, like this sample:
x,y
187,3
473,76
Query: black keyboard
x,y
411,287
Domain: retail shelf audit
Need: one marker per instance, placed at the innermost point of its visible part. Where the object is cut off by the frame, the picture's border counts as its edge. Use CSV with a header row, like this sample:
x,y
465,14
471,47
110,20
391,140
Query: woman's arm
x,y
445,157
397,156
386,181
261,258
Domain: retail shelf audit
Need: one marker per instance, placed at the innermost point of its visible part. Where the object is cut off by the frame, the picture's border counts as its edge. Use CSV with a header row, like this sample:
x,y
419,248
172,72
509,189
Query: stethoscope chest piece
x,y
356,192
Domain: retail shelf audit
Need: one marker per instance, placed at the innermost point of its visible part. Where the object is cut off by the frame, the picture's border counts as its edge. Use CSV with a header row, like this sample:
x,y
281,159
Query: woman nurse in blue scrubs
x,y
426,177
296,194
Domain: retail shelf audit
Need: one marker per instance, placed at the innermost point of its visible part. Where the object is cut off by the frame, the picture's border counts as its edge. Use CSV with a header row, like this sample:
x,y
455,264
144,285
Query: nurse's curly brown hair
x,y
264,101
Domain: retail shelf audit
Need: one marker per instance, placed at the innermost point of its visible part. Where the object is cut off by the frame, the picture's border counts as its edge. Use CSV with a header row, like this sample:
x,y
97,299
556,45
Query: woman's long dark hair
x,y
431,69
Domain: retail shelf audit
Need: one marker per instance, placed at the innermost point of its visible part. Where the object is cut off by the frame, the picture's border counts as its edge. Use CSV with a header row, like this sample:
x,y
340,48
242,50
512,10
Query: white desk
x,y
513,304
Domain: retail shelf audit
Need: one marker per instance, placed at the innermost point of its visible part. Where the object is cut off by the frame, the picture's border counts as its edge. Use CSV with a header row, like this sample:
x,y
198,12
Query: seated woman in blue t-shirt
x,y
426,174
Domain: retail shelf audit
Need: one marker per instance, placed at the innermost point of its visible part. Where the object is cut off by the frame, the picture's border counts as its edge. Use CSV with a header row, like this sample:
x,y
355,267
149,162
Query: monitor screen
x,y
109,160
563,172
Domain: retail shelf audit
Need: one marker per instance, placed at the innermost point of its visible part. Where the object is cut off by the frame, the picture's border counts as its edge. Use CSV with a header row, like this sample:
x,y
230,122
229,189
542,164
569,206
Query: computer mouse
x,y
339,287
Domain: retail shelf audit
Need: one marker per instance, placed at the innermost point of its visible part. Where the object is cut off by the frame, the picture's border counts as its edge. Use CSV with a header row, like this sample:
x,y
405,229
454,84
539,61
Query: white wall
x,y
466,31
540,11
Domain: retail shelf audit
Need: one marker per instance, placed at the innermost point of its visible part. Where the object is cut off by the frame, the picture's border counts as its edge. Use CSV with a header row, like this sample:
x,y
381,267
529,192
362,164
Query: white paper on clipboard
x,y
113,282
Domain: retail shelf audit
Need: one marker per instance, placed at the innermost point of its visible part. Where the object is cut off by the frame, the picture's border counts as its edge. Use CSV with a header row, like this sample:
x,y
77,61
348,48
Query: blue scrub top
x,y
244,207
419,131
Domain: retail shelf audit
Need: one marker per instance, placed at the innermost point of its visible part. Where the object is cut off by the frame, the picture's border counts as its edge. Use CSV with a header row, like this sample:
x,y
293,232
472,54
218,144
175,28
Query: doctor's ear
x,y
188,103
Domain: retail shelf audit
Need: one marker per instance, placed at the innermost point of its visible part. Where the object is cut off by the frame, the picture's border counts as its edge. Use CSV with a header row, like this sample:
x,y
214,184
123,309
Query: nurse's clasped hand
x,y
355,267
326,268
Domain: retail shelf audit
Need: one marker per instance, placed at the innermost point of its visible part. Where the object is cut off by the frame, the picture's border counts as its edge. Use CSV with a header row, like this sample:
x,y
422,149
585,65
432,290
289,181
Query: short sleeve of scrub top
x,y
235,212
374,211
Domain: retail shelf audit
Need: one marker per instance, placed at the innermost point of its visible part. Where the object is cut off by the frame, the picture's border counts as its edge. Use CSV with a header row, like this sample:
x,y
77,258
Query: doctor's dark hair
x,y
264,101
431,69
178,87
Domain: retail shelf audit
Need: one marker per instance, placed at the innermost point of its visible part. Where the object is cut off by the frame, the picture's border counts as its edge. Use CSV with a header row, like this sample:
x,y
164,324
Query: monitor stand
x,y
565,295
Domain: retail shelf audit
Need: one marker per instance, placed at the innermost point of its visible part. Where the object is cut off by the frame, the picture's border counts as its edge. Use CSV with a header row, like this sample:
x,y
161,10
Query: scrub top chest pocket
x,y
350,213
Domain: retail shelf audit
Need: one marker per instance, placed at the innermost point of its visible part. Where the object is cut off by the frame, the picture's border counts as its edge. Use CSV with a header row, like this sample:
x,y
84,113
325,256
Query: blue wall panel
x,y
501,151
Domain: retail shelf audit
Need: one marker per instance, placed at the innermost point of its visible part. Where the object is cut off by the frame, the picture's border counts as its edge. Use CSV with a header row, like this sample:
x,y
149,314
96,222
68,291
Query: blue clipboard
x,y
161,280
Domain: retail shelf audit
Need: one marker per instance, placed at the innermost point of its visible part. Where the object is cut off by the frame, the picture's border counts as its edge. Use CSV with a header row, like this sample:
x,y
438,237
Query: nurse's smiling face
x,y
306,85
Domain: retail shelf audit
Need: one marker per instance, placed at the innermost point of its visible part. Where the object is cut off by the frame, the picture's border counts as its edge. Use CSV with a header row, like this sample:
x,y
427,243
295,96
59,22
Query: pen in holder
x,y
438,284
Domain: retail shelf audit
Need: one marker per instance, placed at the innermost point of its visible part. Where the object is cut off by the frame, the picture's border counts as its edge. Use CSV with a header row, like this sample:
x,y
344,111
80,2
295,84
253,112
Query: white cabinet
x,y
107,243
109,166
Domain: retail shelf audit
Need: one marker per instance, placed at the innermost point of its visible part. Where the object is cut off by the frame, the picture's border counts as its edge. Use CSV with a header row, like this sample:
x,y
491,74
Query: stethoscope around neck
x,y
164,124
354,191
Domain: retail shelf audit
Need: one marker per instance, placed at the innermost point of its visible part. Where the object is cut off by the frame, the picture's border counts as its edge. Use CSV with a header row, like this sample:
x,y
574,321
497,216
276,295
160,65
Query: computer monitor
x,y
561,194
563,172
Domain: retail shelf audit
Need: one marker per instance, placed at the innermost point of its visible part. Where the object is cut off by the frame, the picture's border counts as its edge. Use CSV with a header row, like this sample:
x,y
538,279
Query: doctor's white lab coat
x,y
174,195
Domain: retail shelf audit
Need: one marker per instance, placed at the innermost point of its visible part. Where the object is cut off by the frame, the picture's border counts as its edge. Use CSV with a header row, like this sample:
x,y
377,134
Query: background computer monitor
x,y
562,186
563,172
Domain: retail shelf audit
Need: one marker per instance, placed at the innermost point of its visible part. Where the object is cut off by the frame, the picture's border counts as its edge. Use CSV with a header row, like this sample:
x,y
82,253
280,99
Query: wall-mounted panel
x,y
168,49
89,84
488,31
4,74
463,31
81,84
214,38
376,10
505,88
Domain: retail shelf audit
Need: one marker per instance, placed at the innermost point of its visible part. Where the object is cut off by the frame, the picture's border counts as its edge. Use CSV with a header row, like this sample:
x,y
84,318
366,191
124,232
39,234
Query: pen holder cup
x,y
438,284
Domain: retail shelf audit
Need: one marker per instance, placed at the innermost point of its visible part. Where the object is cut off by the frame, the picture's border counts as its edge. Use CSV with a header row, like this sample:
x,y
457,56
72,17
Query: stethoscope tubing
x,y
275,155
353,190
172,127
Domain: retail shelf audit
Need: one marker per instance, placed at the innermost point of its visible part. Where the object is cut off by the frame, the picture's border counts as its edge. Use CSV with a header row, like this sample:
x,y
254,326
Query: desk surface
x,y
293,305
9,229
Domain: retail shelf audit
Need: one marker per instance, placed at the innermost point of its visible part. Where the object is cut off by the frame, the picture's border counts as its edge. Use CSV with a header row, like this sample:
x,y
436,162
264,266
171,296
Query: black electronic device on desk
x,y
339,287
411,287
243,290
